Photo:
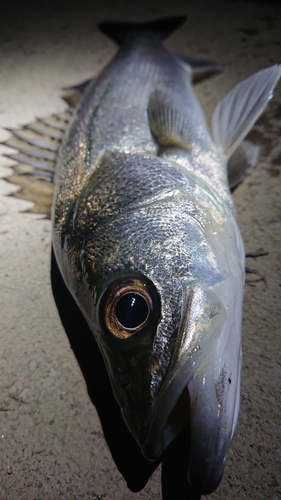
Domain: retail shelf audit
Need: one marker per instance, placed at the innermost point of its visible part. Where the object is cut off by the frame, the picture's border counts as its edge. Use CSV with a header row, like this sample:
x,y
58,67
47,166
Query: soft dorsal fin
x,y
235,115
161,28
200,69
168,124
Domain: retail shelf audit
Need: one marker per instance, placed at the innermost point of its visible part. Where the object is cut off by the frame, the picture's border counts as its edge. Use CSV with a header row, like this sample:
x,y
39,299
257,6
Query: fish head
x,y
145,278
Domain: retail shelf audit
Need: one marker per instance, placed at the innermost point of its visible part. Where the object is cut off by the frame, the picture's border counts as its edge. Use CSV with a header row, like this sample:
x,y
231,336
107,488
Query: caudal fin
x,y
161,27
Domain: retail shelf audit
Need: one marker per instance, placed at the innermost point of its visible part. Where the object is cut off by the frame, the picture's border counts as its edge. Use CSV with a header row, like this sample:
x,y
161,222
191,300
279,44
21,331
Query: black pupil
x,y
131,310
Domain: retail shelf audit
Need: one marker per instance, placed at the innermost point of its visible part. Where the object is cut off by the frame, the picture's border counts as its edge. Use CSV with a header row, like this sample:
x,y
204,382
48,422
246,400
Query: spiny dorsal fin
x,y
80,87
235,115
167,123
75,92
37,145
43,128
33,189
161,28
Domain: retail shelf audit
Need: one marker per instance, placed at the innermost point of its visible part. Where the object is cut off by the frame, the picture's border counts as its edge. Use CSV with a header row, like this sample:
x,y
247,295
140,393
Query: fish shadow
x,y
125,452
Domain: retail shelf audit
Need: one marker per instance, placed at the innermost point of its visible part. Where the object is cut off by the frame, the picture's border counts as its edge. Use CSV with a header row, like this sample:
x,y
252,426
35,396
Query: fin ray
x,y
34,139
36,147
235,115
56,122
32,161
64,116
34,190
39,127
167,123
23,147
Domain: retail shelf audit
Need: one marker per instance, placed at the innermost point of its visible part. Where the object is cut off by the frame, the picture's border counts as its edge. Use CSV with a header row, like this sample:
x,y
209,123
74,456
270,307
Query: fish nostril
x,y
124,379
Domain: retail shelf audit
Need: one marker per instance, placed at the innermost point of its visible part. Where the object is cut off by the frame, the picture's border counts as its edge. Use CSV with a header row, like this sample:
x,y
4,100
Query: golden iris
x,y
128,308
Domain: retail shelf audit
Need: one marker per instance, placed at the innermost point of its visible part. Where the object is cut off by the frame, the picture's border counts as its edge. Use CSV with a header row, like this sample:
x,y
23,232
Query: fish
x,y
146,238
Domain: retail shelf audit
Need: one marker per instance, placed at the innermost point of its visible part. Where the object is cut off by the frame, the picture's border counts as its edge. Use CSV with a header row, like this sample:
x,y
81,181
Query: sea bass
x,y
146,239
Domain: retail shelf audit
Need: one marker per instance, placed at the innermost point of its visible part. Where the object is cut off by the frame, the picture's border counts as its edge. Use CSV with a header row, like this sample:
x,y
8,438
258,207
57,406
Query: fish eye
x,y
128,308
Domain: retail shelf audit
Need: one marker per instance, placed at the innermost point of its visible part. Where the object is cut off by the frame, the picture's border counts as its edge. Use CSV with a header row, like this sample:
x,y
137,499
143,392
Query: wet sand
x,y
51,443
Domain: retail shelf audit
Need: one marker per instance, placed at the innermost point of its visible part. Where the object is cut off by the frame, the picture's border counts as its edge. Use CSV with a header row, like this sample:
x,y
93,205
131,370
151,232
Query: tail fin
x,y
161,27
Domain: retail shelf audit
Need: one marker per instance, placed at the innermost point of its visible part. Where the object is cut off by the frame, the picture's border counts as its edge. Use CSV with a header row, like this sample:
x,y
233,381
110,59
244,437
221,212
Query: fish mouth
x,y
191,393
190,396
206,449
162,432
202,321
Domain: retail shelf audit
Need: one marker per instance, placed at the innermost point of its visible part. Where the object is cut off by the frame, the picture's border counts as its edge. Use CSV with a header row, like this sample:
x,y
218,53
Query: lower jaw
x,y
157,442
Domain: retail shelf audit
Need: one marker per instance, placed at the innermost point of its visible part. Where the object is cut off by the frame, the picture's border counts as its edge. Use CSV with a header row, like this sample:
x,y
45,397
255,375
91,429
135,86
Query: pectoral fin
x,y
168,124
235,115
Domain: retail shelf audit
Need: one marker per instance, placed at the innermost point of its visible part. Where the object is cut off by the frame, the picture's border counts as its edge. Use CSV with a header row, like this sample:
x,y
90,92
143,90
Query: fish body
x,y
146,238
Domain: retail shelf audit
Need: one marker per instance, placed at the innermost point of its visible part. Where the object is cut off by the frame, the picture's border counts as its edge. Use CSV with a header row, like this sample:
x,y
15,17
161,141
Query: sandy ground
x,y
51,440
